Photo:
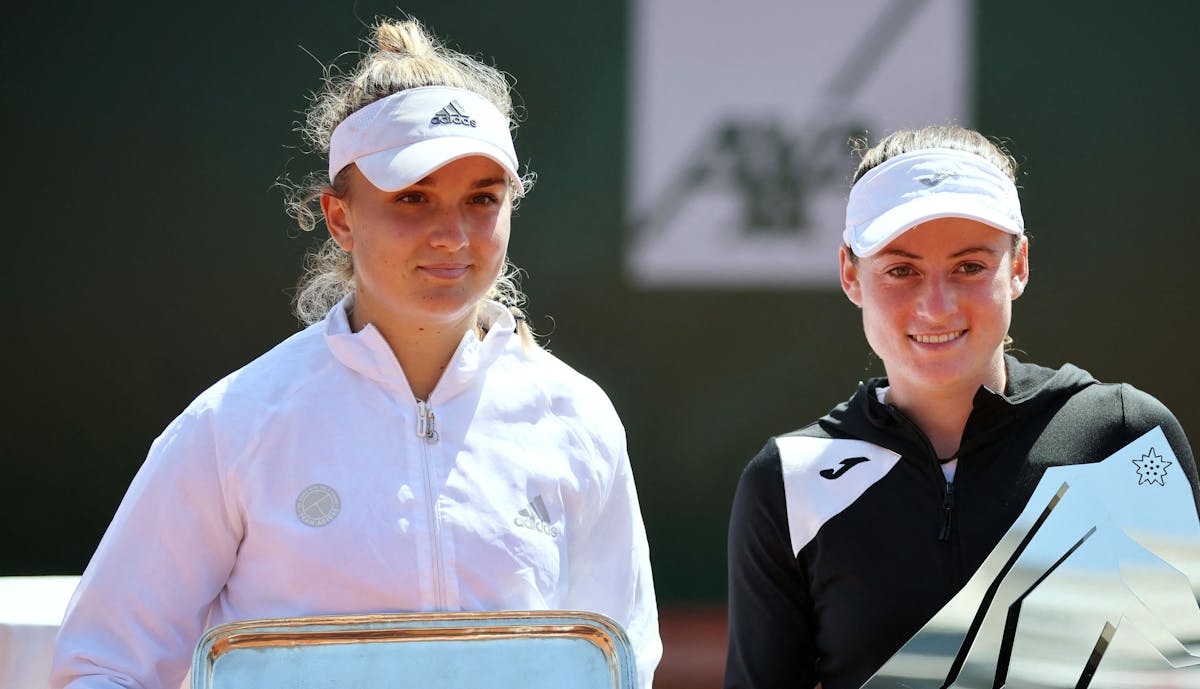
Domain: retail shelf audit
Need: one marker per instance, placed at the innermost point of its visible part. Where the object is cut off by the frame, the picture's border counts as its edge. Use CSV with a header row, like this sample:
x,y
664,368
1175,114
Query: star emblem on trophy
x,y
1152,468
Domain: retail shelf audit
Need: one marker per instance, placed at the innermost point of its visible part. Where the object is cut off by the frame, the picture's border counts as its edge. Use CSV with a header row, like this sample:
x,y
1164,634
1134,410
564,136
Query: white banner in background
x,y
739,122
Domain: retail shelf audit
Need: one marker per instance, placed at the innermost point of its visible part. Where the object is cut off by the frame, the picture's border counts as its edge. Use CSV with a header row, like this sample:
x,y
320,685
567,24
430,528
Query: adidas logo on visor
x,y
452,114
535,517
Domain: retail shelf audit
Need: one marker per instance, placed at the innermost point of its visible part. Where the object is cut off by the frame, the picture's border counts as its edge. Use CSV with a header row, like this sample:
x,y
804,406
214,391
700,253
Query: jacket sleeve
x,y
1143,412
772,625
144,600
610,561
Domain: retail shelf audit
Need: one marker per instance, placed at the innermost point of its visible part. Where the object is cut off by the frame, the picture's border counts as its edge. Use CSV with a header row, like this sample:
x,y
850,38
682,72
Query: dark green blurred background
x,y
149,254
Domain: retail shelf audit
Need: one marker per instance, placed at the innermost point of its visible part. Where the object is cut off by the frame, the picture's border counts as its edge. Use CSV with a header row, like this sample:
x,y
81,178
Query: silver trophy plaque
x,y
502,650
1095,585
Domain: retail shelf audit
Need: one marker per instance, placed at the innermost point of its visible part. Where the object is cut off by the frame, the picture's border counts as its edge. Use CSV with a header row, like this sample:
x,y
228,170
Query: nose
x,y
937,300
450,230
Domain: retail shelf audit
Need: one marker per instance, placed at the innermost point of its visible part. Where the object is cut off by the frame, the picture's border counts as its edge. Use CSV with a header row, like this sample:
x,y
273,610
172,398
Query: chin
x,y
448,311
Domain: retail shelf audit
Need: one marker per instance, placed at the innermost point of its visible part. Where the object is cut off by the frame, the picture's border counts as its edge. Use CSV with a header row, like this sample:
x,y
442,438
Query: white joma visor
x,y
398,140
916,187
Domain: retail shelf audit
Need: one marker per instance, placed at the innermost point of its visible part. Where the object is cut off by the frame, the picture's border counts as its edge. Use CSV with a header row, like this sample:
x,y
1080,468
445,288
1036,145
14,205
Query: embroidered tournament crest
x,y
318,505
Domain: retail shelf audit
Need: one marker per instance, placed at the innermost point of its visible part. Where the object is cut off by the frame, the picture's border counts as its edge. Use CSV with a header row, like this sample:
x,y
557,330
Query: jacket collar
x,y
367,352
1029,388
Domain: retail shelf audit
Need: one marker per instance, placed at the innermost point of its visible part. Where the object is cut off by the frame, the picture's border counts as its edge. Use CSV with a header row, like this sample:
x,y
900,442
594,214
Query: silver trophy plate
x,y
499,650
1095,585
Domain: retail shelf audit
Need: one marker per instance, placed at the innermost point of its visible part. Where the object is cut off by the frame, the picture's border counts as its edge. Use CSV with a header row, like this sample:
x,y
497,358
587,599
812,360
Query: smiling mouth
x,y
939,339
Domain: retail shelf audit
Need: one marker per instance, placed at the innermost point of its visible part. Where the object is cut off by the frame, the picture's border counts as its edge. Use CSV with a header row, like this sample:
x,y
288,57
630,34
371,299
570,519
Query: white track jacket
x,y
311,482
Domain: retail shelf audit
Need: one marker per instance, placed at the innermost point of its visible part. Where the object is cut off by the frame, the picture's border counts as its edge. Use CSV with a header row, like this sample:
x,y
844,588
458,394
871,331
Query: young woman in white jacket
x,y
412,449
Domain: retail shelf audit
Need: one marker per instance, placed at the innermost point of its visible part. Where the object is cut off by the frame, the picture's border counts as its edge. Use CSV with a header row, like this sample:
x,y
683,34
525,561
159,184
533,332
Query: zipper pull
x,y
426,423
947,512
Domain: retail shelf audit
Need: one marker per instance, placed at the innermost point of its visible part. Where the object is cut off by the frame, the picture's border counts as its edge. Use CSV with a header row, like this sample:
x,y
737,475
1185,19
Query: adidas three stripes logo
x,y
452,114
534,516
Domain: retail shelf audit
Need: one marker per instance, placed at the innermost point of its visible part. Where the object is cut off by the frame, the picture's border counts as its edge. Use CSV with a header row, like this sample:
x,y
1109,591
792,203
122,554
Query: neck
x,y
941,418
942,412
423,351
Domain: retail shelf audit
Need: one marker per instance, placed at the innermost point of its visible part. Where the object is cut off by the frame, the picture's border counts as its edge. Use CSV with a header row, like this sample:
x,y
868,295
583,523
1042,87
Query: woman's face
x,y
424,256
937,302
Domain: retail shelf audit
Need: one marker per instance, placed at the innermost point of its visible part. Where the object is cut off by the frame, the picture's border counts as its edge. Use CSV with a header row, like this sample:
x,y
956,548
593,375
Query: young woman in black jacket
x,y
849,534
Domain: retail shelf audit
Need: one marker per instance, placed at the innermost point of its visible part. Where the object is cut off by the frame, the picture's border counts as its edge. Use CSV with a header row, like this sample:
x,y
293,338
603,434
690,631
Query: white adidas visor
x,y
916,187
398,140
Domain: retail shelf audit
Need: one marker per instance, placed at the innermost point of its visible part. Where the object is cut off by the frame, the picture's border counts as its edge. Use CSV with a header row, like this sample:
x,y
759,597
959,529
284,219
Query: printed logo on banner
x,y
740,127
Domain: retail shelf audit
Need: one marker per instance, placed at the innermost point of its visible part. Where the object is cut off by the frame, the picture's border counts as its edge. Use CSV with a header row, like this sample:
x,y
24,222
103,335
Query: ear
x,y
337,218
1020,269
849,275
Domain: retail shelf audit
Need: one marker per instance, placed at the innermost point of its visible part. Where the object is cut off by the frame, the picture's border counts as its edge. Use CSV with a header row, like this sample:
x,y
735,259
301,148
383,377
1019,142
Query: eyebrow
x,y
489,182
484,183
969,250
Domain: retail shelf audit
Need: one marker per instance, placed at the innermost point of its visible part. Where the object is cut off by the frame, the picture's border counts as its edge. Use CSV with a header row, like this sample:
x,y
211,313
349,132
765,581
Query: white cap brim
x,y
400,139
916,187
401,167
894,222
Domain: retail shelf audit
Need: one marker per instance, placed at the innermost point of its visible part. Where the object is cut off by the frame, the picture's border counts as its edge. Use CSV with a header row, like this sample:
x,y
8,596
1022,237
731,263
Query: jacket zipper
x,y
948,485
426,422
427,431
947,512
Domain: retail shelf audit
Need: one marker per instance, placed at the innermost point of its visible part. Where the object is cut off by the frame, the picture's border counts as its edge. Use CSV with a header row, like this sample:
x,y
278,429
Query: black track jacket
x,y
881,541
